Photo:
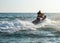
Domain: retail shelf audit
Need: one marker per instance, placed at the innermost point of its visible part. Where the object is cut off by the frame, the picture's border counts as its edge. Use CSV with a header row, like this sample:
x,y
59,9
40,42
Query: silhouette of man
x,y
40,17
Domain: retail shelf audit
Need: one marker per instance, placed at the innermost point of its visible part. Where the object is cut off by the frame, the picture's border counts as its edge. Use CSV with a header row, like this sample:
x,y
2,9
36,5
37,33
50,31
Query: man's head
x,y
39,12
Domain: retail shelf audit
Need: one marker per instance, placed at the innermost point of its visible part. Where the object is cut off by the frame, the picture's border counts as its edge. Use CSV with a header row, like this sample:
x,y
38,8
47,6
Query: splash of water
x,y
16,25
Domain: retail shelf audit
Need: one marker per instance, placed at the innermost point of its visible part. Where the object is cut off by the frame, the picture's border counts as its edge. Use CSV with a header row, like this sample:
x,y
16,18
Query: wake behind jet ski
x,y
40,18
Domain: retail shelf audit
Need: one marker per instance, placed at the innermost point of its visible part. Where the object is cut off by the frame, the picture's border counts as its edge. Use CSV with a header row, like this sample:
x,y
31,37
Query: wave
x,y
17,25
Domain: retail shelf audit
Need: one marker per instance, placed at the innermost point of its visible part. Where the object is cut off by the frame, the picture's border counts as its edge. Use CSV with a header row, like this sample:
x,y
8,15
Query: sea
x,y
18,28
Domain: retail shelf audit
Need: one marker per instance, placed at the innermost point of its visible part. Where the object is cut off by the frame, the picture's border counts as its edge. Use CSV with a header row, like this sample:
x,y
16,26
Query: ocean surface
x,y
18,28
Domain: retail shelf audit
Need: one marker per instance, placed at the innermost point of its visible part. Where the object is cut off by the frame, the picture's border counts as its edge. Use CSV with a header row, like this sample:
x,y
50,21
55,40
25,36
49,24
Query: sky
x,y
49,6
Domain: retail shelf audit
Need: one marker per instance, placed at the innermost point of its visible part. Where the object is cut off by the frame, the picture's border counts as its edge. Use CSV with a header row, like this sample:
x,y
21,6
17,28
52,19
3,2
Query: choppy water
x,y
18,28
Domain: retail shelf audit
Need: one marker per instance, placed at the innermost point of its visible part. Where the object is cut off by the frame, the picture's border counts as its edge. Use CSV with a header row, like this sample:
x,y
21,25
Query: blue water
x,y
18,28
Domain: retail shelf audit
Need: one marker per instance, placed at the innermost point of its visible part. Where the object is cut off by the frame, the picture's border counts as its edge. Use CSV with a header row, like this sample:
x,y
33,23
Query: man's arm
x,y
44,17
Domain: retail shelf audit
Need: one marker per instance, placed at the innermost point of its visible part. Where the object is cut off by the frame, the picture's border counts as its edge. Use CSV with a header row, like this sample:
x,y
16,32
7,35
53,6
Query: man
x,y
40,17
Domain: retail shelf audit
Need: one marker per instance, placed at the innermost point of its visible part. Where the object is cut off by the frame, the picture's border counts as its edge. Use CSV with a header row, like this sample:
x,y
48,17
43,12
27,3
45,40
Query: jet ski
x,y
39,20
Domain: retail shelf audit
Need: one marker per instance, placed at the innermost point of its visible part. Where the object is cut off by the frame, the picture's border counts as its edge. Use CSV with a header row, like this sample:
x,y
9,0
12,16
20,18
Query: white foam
x,y
16,25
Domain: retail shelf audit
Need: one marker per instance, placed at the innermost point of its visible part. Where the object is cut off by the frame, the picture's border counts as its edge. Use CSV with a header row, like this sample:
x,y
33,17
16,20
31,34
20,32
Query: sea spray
x,y
17,25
